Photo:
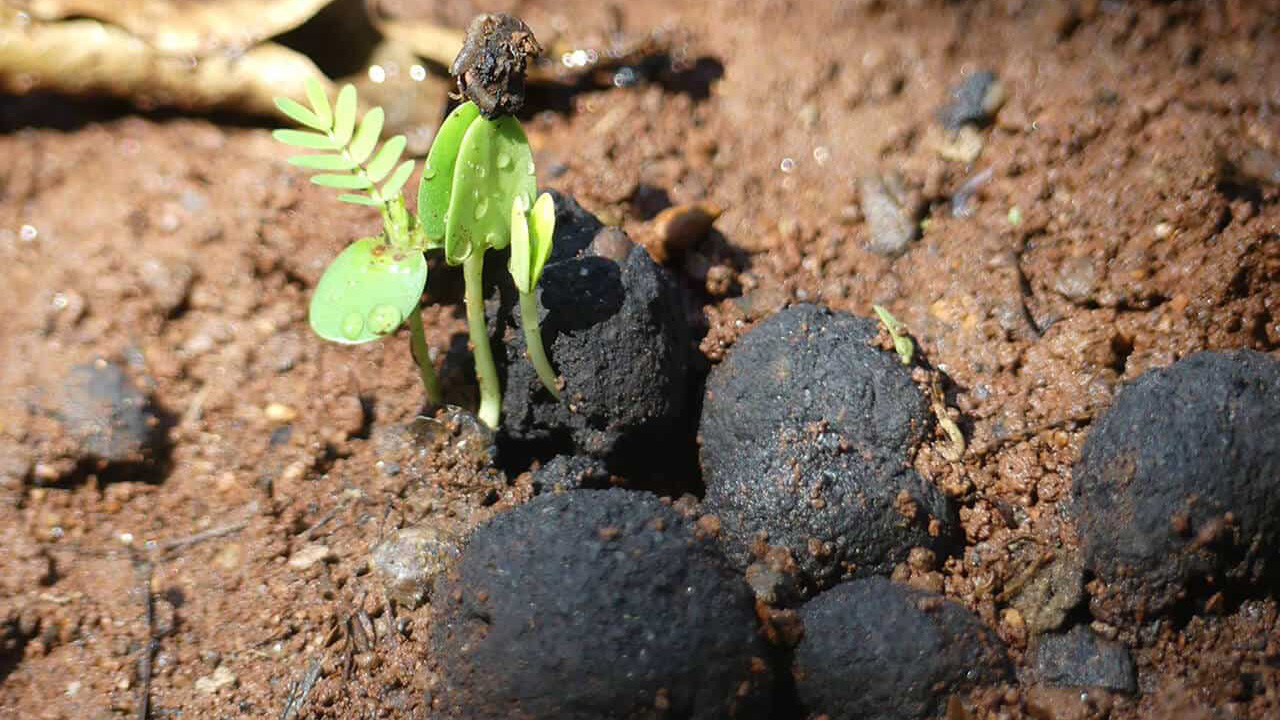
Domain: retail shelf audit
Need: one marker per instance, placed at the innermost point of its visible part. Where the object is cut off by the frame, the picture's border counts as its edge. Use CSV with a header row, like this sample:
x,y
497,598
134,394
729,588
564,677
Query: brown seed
x,y
680,228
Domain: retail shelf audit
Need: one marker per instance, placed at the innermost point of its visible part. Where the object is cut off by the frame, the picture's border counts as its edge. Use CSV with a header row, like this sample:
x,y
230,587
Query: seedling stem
x,y
478,326
533,342
418,344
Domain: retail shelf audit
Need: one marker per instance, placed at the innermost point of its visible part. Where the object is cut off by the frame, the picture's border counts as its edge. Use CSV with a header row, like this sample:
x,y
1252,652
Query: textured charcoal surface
x,y
877,650
571,472
1079,658
617,334
597,604
1180,480
108,414
805,435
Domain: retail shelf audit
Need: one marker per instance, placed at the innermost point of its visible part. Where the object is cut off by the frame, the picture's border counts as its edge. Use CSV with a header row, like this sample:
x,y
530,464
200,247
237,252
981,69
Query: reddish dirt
x,y
1125,223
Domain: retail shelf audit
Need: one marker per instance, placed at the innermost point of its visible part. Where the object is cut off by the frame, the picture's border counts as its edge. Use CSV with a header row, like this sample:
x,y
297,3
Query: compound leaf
x,y
343,182
323,162
366,138
360,199
386,158
344,115
304,139
392,187
319,102
299,113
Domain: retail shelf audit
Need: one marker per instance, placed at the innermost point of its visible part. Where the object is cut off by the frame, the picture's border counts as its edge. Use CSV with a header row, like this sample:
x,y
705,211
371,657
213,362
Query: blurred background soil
x,y
1119,212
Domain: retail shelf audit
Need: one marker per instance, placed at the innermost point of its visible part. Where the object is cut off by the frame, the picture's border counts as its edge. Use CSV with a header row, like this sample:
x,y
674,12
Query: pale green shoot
x,y
901,343
531,236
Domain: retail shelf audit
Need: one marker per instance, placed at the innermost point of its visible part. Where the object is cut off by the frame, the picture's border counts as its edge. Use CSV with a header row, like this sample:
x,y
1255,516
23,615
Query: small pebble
x,y
279,412
220,678
890,217
106,412
409,562
309,555
1051,593
1078,278
963,145
1080,658
974,101
679,228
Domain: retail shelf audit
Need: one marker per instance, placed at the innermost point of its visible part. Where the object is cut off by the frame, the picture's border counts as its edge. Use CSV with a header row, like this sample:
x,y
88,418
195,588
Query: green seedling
x,y
530,246
376,284
476,193
901,343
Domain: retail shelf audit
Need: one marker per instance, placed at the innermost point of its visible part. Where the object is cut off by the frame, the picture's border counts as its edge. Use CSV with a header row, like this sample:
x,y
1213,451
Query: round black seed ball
x,y
877,650
615,329
596,604
806,431
1180,481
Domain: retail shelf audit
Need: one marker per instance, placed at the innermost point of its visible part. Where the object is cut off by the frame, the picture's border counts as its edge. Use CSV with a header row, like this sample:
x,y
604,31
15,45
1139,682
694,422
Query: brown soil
x,y
1126,222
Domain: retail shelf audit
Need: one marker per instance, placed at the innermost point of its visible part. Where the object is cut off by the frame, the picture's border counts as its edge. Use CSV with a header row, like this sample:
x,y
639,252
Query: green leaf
x,y
436,186
367,292
901,343
515,176
494,167
360,199
303,138
542,230
392,187
466,211
519,264
322,162
343,182
319,102
386,158
366,137
344,116
298,112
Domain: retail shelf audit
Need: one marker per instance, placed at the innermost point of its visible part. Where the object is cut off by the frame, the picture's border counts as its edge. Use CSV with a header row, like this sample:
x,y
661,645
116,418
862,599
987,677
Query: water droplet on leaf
x,y
530,167
491,238
504,161
384,318
428,172
482,207
352,326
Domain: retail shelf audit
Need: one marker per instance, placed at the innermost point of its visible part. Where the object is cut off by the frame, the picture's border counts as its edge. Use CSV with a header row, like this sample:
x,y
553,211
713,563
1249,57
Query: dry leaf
x,y
193,27
88,56
434,42
93,56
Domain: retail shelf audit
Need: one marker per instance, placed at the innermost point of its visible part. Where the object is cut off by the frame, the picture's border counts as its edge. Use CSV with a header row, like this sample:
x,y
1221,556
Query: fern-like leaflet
x,y
348,161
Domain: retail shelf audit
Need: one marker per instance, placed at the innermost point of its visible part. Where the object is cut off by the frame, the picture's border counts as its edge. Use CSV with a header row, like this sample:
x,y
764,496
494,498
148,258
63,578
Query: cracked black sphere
x,y
615,329
597,604
806,432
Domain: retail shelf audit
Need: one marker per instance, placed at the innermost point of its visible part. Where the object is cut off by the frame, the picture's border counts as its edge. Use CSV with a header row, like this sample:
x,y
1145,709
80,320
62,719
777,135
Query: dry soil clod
x,y
491,67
